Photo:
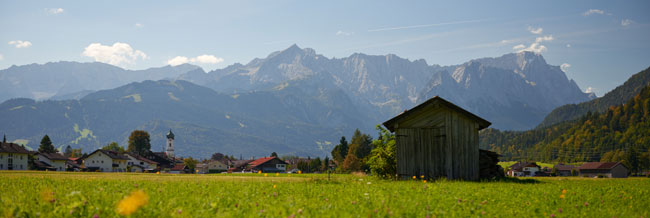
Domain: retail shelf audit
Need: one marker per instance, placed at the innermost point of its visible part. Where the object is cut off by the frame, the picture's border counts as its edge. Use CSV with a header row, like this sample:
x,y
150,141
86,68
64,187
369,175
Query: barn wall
x,y
447,146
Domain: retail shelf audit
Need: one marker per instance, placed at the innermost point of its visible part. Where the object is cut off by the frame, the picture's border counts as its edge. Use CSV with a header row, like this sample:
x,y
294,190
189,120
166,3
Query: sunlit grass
x,y
61,194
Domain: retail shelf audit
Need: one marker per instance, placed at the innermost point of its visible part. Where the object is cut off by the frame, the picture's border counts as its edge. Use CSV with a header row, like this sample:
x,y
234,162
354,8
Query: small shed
x,y
437,139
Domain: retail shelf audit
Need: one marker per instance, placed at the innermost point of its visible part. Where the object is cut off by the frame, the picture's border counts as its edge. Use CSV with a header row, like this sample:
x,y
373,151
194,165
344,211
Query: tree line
x,y
621,133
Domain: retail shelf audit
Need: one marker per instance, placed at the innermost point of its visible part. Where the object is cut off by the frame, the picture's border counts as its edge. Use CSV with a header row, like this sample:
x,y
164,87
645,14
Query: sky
x,y
599,44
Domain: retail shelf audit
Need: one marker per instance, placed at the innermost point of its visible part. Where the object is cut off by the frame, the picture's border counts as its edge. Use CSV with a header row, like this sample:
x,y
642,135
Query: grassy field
x,y
60,194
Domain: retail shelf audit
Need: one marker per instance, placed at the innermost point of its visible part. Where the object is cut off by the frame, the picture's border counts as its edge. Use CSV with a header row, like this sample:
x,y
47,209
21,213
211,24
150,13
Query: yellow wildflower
x,y
277,174
259,172
562,196
47,195
563,191
425,181
414,177
274,186
422,177
299,171
133,202
266,174
158,173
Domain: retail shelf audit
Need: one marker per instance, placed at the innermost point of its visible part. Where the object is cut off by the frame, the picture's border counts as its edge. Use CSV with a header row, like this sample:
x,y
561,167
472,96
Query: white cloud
x,y
565,67
117,54
20,43
54,11
2,57
568,45
536,46
138,25
178,60
201,59
206,59
589,90
535,30
593,11
626,22
342,33
518,47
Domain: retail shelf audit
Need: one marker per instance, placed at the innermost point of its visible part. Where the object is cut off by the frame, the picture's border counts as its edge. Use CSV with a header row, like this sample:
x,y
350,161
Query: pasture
x,y
61,194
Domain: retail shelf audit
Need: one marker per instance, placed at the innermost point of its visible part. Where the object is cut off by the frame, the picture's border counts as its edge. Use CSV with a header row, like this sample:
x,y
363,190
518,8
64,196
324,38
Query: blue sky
x,y
600,43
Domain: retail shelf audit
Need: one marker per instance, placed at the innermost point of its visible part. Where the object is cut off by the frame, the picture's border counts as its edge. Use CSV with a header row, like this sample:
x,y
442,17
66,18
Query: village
x,y
430,157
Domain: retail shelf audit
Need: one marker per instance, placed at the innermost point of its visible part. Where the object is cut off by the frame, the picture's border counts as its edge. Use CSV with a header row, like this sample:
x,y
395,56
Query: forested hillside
x,y
621,133
615,97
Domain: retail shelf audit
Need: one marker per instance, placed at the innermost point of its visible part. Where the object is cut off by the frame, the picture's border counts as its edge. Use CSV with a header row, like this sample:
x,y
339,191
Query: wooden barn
x,y
437,139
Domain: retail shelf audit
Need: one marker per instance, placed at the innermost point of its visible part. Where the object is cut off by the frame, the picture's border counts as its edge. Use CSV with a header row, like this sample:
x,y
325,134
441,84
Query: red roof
x,y
262,161
178,167
598,165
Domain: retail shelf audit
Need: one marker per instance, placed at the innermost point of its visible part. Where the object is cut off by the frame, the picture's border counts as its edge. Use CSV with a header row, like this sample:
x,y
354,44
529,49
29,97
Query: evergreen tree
x,y
632,159
274,154
340,151
364,143
68,151
46,145
326,164
139,142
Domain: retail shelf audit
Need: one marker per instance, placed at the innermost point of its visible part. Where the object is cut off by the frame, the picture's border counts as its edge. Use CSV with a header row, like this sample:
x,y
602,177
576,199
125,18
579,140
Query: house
x,y
437,139
105,161
72,165
179,168
213,166
142,164
161,158
268,164
55,160
239,165
606,169
201,168
13,156
526,169
563,170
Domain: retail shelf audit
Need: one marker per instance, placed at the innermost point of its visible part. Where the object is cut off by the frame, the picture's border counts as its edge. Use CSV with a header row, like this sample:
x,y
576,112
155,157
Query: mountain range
x,y
64,79
293,101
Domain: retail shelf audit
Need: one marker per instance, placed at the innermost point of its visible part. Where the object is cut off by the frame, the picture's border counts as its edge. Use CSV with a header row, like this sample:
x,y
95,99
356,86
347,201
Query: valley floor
x,y
61,194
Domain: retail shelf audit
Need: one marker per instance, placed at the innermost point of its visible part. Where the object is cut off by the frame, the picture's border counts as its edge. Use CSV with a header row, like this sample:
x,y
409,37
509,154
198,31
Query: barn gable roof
x,y
390,124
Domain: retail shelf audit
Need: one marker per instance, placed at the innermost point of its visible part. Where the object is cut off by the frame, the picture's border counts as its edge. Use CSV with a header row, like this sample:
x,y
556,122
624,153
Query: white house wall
x,y
19,161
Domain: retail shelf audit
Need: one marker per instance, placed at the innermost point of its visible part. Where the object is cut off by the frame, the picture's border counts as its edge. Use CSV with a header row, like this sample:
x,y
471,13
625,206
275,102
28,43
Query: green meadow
x,y
61,194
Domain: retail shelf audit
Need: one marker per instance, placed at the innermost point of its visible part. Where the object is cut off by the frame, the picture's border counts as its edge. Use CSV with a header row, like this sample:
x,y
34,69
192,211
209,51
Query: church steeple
x,y
170,144
4,139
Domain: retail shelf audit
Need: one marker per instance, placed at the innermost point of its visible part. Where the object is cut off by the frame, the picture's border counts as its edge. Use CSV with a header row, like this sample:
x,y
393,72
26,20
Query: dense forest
x,y
619,95
621,133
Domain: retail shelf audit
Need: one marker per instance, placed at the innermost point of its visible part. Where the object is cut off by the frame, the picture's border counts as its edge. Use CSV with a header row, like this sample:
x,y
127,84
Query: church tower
x,y
170,144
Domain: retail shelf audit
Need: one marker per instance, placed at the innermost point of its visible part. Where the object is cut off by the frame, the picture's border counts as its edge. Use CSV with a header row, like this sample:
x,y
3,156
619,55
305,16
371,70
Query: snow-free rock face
x,y
514,91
